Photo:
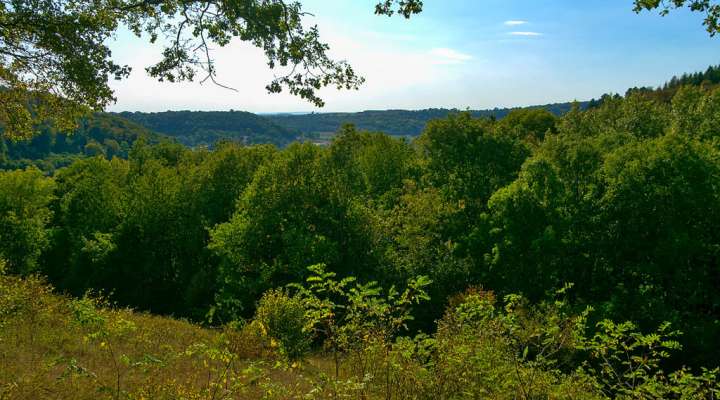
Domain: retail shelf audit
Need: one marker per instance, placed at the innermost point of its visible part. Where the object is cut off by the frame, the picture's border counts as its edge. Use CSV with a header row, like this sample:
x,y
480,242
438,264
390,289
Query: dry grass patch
x,y
53,347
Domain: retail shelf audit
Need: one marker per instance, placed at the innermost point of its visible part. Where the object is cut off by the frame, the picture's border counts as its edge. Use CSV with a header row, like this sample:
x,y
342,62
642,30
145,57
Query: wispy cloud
x,y
444,55
515,22
525,33
375,35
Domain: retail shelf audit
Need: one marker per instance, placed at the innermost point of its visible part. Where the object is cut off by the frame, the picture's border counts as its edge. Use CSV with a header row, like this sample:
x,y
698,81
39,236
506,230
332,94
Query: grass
x,y
54,347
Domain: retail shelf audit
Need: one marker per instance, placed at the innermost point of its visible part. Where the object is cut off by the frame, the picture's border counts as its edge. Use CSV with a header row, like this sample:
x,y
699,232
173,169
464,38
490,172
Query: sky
x,y
475,54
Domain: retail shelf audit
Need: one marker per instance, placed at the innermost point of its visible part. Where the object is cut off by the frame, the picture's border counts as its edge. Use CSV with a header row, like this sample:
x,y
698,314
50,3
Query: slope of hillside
x,y
204,128
53,347
392,122
99,134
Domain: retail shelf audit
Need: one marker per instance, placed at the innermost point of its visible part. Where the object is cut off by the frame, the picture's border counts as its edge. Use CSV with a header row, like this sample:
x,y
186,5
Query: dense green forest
x,y
620,200
202,128
112,134
392,122
99,134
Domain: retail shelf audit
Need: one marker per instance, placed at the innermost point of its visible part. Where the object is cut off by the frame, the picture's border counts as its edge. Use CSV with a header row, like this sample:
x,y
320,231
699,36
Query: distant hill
x,y
113,134
393,122
204,128
99,134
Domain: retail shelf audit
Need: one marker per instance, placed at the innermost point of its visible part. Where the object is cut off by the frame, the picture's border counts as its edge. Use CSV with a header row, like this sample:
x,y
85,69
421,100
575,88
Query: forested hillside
x,y
100,134
201,128
392,122
113,134
620,200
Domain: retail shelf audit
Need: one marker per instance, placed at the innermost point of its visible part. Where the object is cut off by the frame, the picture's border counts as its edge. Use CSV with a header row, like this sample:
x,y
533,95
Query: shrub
x,y
507,350
626,364
283,319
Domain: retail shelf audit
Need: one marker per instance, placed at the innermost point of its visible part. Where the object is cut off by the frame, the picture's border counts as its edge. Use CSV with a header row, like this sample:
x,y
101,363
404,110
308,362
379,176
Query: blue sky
x,y
464,54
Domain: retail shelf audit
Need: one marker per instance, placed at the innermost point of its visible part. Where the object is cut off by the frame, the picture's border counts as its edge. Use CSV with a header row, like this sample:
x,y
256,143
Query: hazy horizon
x,y
323,111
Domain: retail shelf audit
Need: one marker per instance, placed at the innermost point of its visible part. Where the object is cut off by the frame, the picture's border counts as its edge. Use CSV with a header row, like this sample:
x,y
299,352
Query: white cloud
x,y
397,77
515,22
444,55
526,33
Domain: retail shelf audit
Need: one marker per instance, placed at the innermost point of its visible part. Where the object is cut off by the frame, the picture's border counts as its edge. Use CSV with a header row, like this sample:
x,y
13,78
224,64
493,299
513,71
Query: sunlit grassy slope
x,y
53,347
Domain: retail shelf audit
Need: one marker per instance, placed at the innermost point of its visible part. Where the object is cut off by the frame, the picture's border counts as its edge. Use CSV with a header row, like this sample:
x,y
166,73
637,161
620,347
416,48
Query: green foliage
x,y
282,317
628,220
523,220
413,234
293,214
143,223
361,322
482,348
638,115
393,122
628,358
529,124
24,216
627,364
695,113
507,350
82,349
224,174
369,164
406,8
467,161
50,149
197,128
711,76
90,206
